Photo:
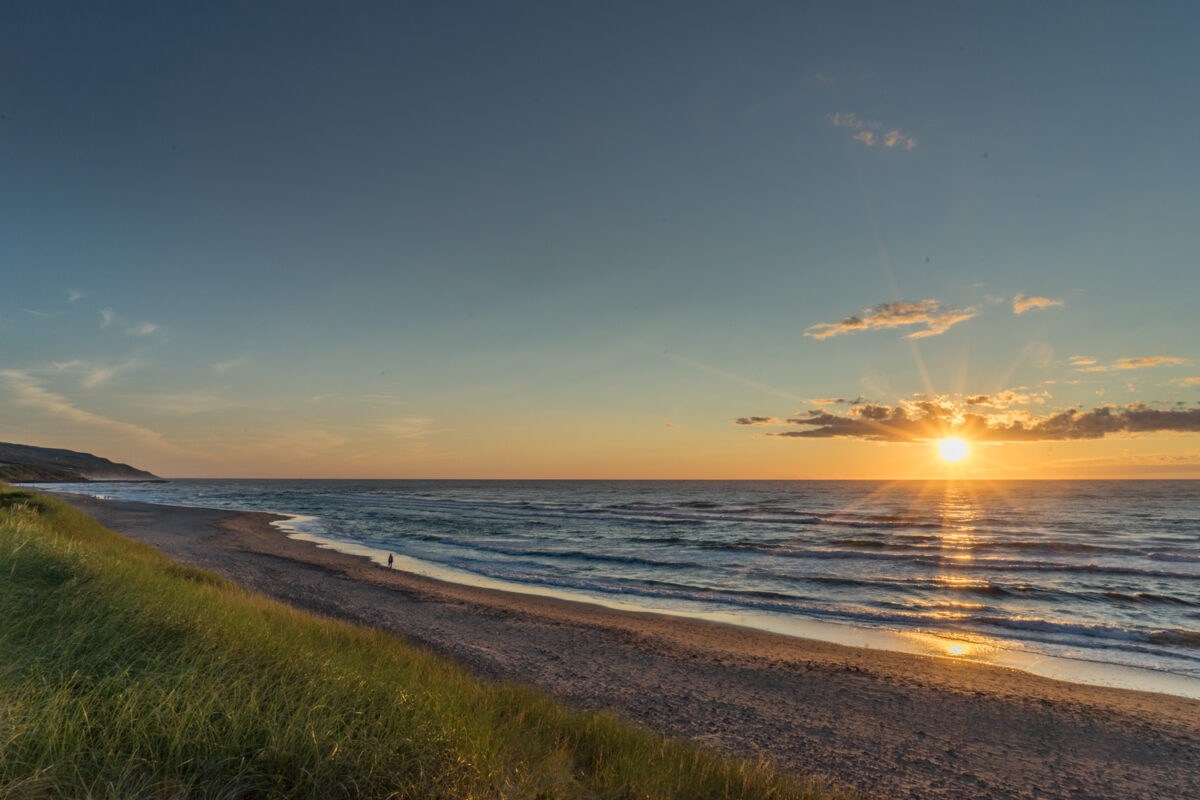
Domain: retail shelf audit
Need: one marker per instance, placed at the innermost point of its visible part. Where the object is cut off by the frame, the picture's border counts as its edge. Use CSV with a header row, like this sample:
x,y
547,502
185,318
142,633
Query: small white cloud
x,y
870,132
894,138
1021,303
73,296
106,317
142,329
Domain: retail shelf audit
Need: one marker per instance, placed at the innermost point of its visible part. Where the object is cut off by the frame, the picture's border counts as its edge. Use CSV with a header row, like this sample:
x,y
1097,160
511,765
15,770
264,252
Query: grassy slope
x,y
124,674
25,472
68,464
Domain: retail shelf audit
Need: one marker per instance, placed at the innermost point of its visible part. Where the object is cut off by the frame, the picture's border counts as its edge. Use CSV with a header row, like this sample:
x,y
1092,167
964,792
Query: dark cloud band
x,y
926,421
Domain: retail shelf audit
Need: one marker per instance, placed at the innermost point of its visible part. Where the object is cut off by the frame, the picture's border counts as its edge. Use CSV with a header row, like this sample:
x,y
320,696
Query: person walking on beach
x,y
391,558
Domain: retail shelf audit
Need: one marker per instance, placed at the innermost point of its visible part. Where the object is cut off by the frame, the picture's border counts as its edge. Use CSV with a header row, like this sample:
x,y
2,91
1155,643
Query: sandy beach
x,y
892,725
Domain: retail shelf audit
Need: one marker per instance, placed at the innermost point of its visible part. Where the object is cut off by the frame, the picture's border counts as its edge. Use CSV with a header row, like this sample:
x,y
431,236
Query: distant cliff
x,y
22,462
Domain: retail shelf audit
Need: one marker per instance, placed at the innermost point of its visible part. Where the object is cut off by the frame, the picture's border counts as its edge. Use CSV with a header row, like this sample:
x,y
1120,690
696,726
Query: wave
x,y
573,554
949,562
1007,627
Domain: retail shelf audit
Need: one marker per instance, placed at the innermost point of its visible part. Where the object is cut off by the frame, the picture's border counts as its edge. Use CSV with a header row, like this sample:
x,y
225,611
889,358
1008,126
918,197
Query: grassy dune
x,y
124,674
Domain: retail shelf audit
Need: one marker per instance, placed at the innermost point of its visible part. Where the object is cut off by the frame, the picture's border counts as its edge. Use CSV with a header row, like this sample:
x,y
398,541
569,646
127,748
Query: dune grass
x,y
124,674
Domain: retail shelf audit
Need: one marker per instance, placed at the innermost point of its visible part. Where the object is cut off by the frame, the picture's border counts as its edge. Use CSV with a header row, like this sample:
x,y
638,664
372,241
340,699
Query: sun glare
x,y
952,449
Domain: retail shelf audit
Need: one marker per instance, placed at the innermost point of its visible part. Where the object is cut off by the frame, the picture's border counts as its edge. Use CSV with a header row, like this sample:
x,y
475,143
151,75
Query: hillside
x,y
22,462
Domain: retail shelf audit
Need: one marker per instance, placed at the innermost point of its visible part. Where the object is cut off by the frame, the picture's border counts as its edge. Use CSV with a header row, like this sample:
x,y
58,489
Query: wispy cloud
x,y
184,404
407,427
1189,381
74,295
27,390
1086,364
936,419
837,401
95,375
933,315
1021,303
224,366
109,318
756,421
872,133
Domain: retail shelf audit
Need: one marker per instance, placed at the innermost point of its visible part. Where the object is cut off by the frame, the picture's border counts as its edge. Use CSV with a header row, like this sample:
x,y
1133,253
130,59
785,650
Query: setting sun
x,y
952,449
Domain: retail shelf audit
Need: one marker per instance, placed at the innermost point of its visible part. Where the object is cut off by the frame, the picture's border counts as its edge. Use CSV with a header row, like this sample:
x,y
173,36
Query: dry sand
x,y
891,725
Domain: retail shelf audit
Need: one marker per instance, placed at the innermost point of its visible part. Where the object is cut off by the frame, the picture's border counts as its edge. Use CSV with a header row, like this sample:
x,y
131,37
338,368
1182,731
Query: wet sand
x,y
892,725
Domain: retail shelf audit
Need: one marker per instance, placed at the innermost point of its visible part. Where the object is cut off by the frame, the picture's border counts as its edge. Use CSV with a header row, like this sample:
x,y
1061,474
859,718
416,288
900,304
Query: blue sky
x,y
582,239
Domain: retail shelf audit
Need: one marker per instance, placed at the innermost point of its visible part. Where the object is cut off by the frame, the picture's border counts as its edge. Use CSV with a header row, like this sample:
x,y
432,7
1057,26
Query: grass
x,y
124,674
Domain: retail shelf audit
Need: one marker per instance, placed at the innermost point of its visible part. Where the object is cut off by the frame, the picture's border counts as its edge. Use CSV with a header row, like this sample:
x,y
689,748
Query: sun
x,y
952,450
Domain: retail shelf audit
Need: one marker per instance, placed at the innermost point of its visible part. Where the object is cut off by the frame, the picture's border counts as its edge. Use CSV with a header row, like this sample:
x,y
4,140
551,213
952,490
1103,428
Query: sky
x,y
603,239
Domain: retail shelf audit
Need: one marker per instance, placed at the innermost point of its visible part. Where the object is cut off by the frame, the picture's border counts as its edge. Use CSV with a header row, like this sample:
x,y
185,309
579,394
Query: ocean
x,y
1089,580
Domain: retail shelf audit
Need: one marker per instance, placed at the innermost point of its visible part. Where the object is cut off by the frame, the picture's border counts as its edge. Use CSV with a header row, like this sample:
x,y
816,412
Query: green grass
x,y
124,674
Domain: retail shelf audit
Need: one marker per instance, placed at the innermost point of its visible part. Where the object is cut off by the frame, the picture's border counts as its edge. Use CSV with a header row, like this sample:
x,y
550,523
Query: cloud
x,y
108,318
28,391
894,138
1189,382
871,133
837,401
1139,362
407,427
1008,398
756,421
672,424
224,366
937,419
930,313
183,404
1021,303
95,374
73,295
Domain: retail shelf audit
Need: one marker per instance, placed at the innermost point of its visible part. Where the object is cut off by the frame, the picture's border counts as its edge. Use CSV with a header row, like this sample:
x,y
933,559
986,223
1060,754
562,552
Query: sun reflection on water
x,y
959,646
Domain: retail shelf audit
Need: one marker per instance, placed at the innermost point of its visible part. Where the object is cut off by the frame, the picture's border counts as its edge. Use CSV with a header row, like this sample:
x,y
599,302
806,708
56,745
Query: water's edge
x,y
958,645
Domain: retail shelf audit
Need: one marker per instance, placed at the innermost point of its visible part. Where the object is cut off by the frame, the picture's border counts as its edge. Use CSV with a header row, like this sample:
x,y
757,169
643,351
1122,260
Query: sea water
x,y
1101,575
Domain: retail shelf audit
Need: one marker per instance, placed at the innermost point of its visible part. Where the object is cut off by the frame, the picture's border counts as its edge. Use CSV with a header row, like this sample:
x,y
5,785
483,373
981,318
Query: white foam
x,y
964,648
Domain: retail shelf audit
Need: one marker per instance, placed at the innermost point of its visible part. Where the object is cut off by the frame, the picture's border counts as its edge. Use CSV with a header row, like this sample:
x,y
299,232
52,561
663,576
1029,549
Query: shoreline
x,y
891,724
977,649
958,646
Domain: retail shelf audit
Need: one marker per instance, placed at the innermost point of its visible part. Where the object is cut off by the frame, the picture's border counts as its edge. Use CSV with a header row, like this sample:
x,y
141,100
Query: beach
x,y
888,724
